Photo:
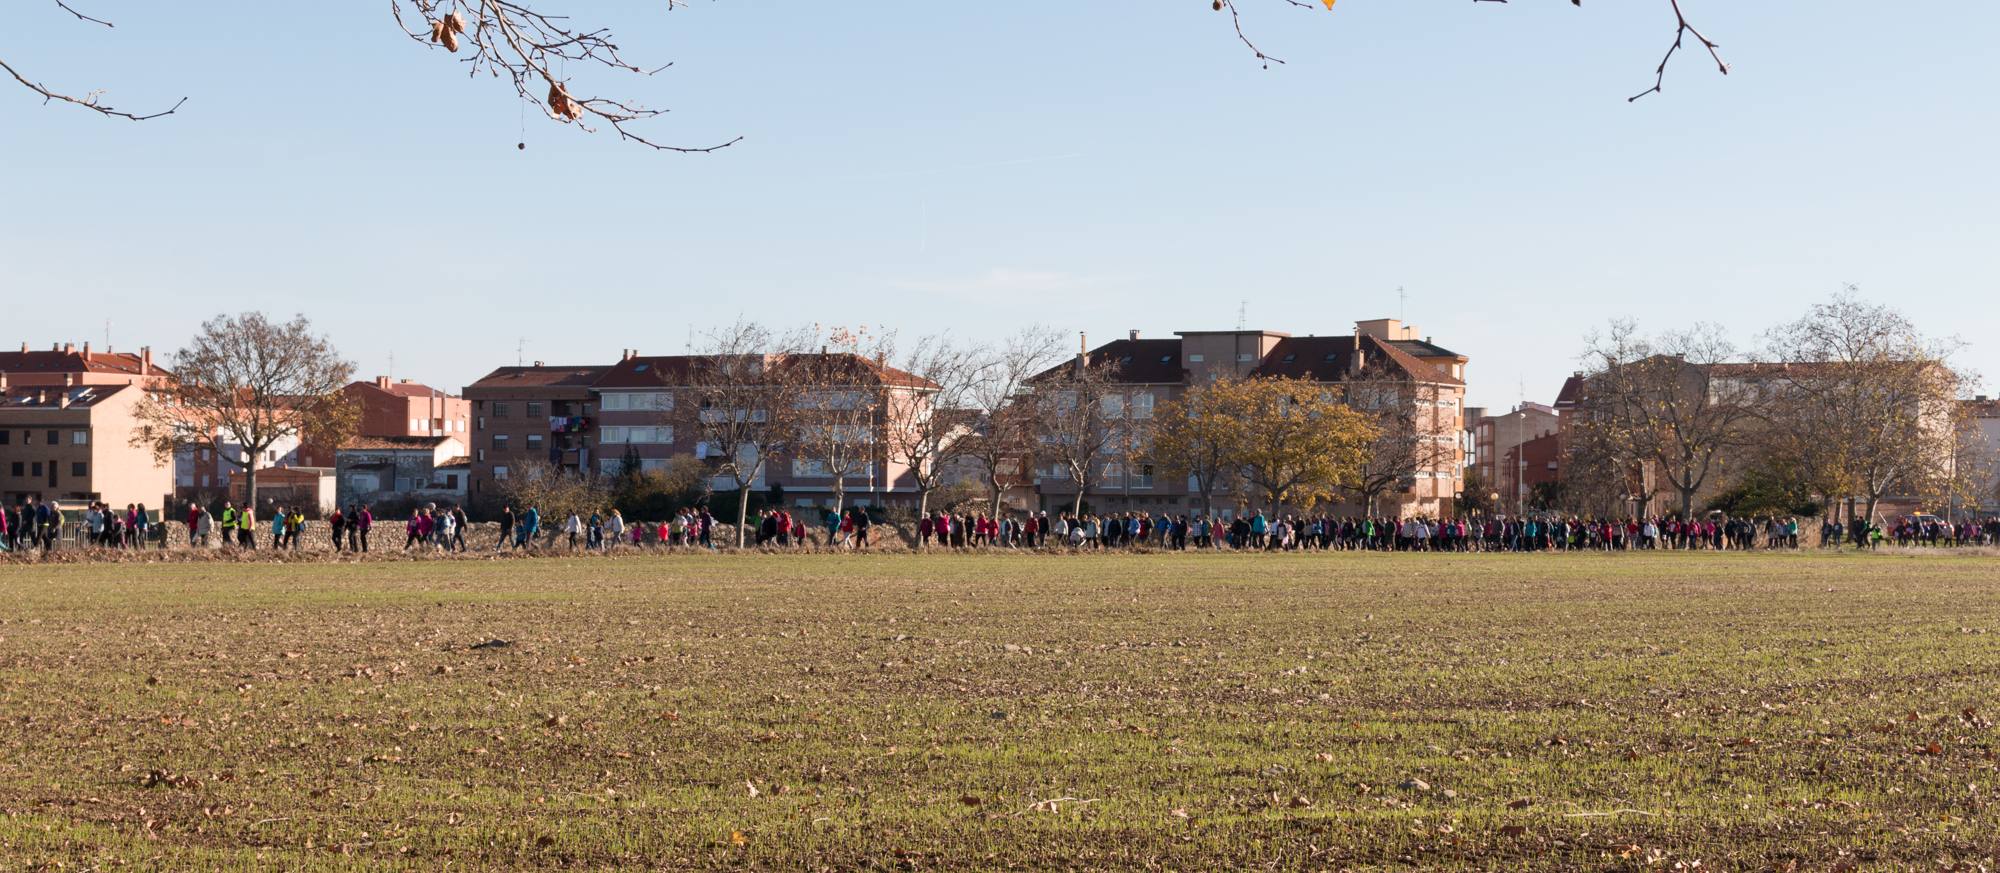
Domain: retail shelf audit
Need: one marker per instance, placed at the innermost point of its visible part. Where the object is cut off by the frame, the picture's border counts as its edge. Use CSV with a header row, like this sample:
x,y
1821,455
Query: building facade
x,y
66,419
1505,470
1384,364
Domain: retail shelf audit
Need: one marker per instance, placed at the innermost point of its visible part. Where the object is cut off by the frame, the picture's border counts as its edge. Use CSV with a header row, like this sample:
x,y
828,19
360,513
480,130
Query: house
x,y
1384,364
401,471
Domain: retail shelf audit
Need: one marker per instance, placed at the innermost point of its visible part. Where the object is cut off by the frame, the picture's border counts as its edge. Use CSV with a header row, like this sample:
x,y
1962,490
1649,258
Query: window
x,y
636,435
500,409
499,442
637,401
1142,405
451,481
1143,478
54,439
534,441
1245,357
37,467
1196,359
416,424
500,473
482,422
610,466
20,469
6,436
481,453
79,437
79,469
535,409
1114,406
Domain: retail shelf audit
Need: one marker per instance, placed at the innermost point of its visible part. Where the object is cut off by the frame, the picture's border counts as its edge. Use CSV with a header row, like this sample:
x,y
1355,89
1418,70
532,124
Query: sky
x,y
974,169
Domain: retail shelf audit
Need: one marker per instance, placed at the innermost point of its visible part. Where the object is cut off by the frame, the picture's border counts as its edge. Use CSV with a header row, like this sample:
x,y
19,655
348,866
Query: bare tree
x,y
744,411
1079,420
1403,409
1875,398
841,394
532,50
244,385
1671,403
1003,427
554,491
926,431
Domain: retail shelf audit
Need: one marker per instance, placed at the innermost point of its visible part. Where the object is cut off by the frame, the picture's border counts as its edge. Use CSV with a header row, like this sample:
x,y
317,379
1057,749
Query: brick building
x,y
531,415
645,409
1384,359
1496,439
66,418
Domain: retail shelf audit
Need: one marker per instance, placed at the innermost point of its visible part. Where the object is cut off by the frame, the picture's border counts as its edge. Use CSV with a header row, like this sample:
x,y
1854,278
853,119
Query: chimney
x,y
86,350
3,382
382,382
145,360
1133,335
538,363
69,348
24,347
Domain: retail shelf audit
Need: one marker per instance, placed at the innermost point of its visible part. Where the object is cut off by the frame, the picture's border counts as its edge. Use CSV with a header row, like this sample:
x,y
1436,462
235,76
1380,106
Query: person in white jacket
x,y
574,527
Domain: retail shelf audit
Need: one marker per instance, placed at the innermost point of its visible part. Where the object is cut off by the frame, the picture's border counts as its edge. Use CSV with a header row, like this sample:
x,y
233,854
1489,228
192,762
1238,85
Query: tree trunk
x,y
993,482
250,485
1873,500
1687,503
742,506
1078,511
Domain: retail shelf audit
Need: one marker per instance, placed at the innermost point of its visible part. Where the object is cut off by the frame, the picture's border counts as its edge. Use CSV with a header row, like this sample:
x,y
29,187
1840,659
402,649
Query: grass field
x,y
953,712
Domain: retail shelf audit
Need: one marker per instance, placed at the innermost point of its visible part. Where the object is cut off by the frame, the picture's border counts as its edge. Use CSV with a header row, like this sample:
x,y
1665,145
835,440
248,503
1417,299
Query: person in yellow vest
x,y
246,526
230,519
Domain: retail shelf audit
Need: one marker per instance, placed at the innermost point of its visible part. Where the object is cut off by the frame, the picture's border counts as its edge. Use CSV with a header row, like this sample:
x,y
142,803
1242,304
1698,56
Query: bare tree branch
x,y
71,10
87,101
532,50
1681,29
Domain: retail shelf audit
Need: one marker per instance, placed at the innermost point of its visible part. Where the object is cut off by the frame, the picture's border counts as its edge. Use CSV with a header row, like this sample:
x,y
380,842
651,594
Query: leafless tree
x,y
1079,421
1671,403
530,48
1873,396
743,409
925,431
1404,412
554,492
841,392
244,385
1003,427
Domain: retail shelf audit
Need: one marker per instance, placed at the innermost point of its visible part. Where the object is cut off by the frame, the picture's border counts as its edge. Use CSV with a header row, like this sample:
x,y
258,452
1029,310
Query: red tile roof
x,y
374,443
403,388
73,362
541,377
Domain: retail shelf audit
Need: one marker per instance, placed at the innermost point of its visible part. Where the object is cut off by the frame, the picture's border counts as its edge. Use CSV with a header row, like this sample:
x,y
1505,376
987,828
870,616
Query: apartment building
x,y
70,443
1506,469
536,414
66,418
647,410
1384,364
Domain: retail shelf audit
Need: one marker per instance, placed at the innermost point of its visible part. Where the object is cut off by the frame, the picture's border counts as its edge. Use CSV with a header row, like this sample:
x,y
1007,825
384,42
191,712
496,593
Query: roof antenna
x,y
392,365
1402,304
520,350
1242,313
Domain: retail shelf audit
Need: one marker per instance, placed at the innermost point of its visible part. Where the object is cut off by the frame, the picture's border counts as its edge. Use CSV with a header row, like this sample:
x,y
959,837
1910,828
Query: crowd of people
x,y
31,524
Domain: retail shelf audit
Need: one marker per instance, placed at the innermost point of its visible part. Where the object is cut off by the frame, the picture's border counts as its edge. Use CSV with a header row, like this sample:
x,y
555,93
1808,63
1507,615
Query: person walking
x,y
364,520
507,531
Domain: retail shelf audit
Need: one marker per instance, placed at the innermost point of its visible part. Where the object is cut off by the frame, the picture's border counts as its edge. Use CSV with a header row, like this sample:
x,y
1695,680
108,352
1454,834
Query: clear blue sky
x,y
1095,166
